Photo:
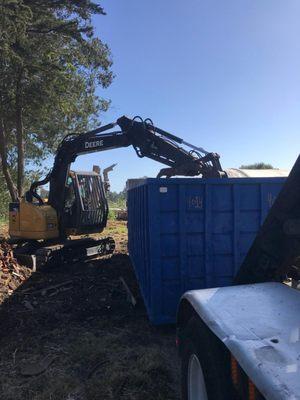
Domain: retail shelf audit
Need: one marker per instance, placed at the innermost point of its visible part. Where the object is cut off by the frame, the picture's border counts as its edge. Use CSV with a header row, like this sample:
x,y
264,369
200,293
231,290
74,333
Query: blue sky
x,y
224,75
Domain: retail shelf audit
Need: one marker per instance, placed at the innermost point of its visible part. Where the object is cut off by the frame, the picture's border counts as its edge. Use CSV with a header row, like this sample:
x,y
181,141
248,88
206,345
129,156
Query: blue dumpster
x,y
192,233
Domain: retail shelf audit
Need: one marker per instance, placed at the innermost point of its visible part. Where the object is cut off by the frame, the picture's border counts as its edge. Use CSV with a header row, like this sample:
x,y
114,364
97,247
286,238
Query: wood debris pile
x,y
12,274
122,215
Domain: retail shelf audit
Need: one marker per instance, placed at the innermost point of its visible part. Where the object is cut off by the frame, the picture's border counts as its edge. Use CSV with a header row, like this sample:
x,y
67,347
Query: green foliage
x,y
4,200
259,165
4,193
117,200
111,213
51,63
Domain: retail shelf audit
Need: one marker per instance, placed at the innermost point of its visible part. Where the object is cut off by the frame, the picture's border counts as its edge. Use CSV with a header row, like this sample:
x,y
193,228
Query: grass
x,y
116,227
3,220
3,226
115,205
118,230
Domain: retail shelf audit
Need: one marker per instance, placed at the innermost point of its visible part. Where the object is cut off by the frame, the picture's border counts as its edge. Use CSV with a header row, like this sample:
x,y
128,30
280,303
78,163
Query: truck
x,y
243,341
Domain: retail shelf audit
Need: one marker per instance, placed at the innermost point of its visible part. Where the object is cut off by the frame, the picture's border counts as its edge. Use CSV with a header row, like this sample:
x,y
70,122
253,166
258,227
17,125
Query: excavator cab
x,y
85,207
77,203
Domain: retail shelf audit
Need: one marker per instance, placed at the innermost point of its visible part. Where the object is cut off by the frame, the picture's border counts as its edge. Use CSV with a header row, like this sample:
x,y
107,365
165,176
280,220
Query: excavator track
x,y
37,255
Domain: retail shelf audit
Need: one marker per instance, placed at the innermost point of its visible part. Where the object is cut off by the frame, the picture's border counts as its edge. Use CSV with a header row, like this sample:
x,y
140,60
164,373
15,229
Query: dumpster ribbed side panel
x,y
138,238
192,233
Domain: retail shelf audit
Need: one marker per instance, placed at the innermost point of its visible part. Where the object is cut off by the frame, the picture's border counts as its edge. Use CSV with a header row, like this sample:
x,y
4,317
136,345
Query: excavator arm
x,y
147,140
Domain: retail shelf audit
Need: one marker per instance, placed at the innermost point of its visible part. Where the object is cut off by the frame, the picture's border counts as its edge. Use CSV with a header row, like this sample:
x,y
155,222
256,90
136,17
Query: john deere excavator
x,y
77,203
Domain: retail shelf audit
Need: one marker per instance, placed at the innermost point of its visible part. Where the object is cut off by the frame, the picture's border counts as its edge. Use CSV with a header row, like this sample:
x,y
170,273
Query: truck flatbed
x,y
260,325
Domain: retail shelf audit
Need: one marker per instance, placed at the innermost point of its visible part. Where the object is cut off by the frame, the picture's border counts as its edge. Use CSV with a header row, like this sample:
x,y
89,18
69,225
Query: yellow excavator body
x,y
77,203
32,221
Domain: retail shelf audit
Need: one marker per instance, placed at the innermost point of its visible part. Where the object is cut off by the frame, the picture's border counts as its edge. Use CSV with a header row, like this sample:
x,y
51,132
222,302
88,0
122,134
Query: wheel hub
x,y
196,383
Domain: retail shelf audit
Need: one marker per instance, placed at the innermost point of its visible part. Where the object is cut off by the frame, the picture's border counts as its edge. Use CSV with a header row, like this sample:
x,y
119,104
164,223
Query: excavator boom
x,y
146,139
77,203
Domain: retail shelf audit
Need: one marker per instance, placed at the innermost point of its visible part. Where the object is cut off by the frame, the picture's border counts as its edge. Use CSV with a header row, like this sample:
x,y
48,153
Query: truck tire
x,y
205,365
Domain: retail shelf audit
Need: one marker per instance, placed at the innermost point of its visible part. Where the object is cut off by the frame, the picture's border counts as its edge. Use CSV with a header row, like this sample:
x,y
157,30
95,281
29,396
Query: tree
x,y
50,66
14,18
259,165
117,199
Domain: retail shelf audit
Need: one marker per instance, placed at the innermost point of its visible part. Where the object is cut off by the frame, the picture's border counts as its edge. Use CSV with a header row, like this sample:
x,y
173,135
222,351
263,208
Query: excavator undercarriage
x,y
77,204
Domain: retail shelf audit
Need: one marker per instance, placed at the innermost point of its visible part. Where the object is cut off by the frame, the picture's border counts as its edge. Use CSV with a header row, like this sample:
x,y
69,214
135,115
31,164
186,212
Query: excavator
x,y
43,232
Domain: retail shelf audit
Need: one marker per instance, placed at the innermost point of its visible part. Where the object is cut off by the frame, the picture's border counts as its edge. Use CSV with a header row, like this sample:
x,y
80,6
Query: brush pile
x,y
12,274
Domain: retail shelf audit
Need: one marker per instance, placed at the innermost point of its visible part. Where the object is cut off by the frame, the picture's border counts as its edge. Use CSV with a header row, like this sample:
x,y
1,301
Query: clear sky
x,y
224,75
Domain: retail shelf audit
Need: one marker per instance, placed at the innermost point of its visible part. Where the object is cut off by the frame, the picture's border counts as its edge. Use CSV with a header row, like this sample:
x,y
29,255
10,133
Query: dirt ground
x,y
72,334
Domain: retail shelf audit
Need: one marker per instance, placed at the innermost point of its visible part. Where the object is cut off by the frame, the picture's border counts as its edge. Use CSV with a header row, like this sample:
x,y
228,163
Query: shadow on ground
x,y
71,333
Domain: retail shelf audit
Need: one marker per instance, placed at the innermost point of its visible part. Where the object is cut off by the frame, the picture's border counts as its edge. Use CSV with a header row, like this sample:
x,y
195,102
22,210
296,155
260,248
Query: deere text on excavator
x,y
77,203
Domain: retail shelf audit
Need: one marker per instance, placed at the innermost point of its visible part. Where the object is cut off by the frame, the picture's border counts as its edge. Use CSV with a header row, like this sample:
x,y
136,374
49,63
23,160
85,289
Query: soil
x,y
12,275
73,333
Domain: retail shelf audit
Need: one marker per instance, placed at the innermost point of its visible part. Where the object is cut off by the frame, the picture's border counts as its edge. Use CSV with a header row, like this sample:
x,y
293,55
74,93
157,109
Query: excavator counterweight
x,y
77,203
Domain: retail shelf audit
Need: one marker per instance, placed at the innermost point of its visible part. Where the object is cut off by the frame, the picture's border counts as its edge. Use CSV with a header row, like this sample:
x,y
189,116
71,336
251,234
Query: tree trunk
x,y
20,133
4,165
